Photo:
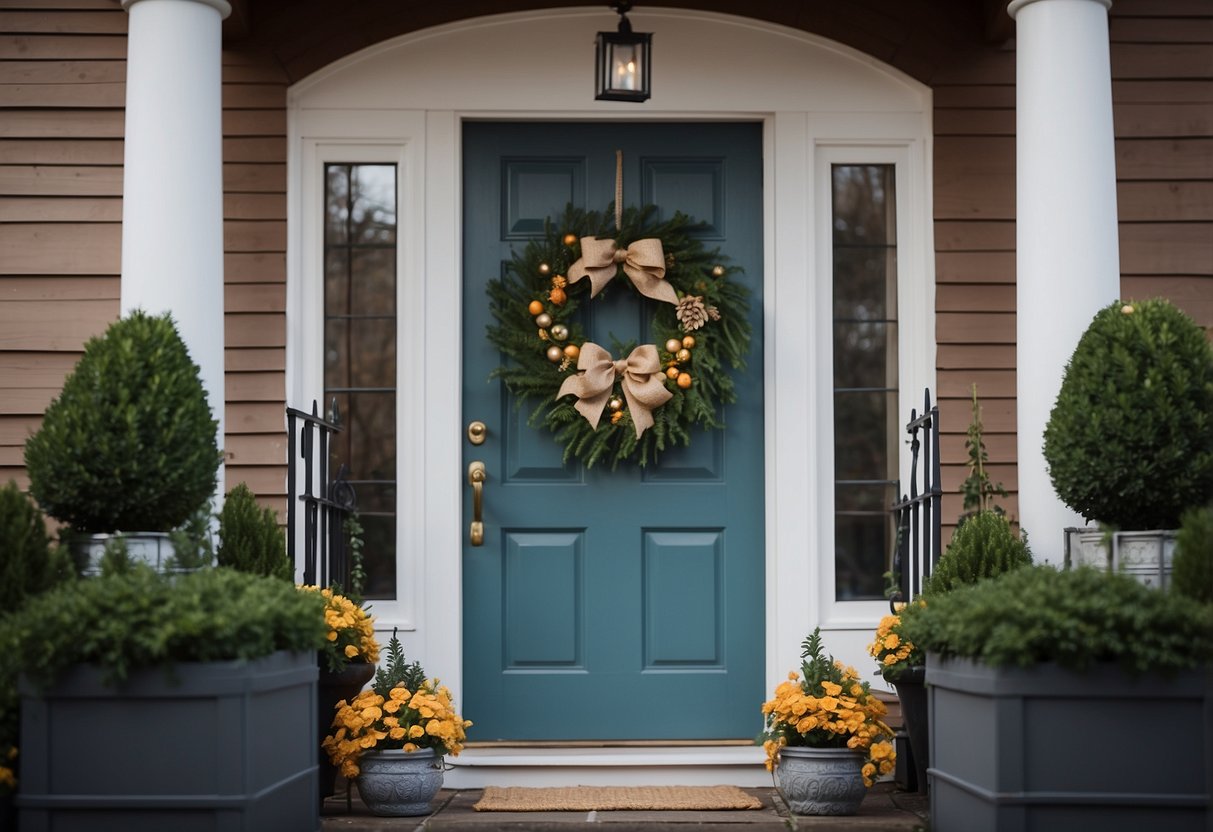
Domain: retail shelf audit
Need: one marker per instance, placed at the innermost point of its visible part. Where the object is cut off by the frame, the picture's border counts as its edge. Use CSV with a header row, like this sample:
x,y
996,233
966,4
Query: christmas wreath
x,y
654,393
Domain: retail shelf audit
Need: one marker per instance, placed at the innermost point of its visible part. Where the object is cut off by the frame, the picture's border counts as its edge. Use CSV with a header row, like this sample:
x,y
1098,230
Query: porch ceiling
x,y
918,38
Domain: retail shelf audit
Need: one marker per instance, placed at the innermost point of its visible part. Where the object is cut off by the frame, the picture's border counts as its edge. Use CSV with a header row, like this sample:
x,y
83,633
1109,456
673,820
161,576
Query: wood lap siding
x,y
62,94
62,76
254,265
1162,91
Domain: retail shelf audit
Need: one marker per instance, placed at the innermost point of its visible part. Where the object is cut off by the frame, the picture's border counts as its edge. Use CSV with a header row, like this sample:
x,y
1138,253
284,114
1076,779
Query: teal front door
x,y
605,604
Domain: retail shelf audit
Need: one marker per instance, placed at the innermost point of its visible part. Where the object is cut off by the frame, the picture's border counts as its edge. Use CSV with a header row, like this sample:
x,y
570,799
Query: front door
x,y
605,604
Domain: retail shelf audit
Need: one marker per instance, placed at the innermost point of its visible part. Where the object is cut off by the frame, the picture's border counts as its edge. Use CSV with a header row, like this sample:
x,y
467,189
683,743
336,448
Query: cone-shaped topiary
x,y
983,546
1193,565
1129,442
250,539
28,563
129,444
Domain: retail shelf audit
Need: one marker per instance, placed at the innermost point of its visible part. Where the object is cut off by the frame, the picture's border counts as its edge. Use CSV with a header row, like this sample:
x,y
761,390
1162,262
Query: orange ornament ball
x,y
569,239
557,296
672,373
684,380
572,351
688,342
535,308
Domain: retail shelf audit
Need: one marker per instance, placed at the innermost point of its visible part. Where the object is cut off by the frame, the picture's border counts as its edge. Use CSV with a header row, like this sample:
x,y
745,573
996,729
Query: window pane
x,y
360,256
865,376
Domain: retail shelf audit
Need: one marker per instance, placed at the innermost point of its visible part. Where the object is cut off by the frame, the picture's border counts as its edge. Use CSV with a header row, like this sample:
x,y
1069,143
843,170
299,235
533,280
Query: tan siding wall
x,y
975,269
61,87
1162,90
254,201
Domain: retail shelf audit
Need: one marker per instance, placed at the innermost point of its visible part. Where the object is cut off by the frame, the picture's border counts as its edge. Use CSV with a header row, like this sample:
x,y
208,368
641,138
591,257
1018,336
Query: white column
x,y
1067,253
172,193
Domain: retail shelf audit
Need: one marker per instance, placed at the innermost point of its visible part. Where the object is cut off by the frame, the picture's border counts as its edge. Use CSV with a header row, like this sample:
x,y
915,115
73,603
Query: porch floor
x,y
884,809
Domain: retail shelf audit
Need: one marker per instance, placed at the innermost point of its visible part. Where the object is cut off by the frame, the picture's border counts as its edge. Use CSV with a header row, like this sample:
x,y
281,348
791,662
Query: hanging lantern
x,y
623,70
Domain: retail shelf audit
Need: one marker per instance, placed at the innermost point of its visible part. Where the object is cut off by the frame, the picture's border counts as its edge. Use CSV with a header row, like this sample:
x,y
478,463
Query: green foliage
x,y
250,539
28,562
720,344
1192,568
1129,442
1077,619
192,546
983,546
129,444
979,492
136,618
396,671
353,534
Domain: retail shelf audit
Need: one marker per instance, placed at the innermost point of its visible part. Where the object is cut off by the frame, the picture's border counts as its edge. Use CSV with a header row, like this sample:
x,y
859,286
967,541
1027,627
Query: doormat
x,y
606,798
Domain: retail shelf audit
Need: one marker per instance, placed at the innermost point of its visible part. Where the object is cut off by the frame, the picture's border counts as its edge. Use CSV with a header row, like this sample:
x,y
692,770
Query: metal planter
x,y
1044,748
215,746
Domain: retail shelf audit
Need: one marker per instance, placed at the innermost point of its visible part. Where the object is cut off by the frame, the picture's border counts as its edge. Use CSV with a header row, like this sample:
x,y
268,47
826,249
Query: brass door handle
x,y
476,477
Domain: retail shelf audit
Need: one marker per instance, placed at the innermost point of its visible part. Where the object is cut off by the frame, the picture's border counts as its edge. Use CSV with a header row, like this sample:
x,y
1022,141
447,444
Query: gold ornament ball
x,y
569,239
684,355
560,332
572,351
615,404
543,320
535,308
544,268
555,354
689,342
672,346
672,373
684,380
717,271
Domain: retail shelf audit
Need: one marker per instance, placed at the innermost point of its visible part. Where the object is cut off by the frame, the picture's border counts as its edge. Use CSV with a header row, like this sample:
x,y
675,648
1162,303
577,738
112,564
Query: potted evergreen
x,y
153,700
1036,679
1129,442
129,446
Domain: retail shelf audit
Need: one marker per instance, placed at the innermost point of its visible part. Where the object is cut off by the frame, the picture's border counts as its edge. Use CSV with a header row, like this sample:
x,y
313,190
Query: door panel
x,y
625,604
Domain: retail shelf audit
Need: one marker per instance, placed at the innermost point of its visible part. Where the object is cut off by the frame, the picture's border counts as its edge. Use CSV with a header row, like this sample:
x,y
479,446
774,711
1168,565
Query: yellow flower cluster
x,y
8,778
829,708
409,720
891,649
351,632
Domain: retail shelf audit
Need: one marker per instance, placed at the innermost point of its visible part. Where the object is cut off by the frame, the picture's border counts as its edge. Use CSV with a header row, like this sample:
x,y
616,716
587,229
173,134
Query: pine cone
x,y
559,281
713,313
691,313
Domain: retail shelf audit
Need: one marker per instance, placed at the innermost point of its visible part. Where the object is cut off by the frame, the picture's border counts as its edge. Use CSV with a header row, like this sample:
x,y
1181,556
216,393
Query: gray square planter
x,y
222,746
1044,748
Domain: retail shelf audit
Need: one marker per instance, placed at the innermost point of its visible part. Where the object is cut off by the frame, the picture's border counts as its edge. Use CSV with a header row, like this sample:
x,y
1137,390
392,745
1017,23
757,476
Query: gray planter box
x,y
1045,749
222,746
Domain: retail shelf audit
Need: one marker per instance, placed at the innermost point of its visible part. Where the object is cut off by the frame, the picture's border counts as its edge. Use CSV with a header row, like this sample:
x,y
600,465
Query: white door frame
x,y
404,101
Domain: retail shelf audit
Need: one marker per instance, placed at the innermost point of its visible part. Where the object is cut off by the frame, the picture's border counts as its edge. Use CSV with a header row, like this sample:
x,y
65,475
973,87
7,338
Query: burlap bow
x,y
640,375
643,262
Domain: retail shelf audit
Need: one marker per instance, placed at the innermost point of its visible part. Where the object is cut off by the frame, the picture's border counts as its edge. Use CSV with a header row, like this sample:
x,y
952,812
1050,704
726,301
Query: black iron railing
x,y
325,502
918,514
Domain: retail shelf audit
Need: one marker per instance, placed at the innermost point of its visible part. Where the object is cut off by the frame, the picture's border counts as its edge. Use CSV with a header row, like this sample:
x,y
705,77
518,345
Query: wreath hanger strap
x,y
643,262
640,377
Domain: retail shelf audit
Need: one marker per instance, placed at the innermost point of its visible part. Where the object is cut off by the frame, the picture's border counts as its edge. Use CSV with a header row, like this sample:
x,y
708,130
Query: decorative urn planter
x,y
225,745
821,781
1045,748
1145,555
912,692
395,783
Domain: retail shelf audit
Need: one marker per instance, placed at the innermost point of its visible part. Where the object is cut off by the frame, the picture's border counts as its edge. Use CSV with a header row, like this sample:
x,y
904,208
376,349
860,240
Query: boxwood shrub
x,y
137,618
1076,619
250,538
1129,442
1192,573
129,444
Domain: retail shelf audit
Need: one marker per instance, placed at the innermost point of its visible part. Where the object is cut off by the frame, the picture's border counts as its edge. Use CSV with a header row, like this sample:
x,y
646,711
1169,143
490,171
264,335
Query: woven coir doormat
x,y
607,798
